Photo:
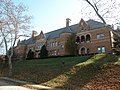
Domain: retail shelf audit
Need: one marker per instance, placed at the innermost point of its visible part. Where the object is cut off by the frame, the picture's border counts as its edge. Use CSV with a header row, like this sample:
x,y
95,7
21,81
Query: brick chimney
x,y
33,34
67,22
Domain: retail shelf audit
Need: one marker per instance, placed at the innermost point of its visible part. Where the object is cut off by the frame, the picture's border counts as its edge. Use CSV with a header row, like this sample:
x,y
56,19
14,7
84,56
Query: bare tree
x,y
106,10
16,23
94,6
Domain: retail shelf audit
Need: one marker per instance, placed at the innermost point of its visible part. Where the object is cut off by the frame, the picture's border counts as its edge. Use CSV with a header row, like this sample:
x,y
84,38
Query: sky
x,y
49,15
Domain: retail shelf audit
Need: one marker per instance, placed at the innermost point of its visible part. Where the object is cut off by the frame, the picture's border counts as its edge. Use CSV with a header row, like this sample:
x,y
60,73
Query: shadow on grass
x,y
82,73
41,71
73,75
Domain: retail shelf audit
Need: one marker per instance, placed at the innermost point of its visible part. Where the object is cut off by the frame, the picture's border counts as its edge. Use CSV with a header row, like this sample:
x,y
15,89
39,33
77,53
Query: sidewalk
x,y
27,84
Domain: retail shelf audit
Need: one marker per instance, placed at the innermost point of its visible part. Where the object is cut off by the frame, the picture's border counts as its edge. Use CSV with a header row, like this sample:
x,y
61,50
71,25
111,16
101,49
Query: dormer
x,y
83,26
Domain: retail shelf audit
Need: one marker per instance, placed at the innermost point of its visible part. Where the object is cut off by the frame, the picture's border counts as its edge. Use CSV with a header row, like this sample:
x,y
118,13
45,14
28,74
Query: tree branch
x,y
96,11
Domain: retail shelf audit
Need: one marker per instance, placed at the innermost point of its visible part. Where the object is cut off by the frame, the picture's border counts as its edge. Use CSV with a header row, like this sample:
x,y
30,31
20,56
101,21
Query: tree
x,y
70,45
43,52
94,6
106,10
116,43
30,54
16,22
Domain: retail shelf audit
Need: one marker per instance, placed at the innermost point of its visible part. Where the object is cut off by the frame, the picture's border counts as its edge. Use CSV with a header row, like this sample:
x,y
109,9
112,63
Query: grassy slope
x,y
40,71
77,73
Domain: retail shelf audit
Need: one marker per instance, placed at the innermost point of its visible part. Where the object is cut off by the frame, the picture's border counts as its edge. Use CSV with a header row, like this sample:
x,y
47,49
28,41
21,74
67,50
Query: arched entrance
x,y
83,50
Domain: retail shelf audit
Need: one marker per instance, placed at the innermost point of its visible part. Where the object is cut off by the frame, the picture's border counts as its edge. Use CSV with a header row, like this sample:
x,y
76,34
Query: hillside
x,y
98,72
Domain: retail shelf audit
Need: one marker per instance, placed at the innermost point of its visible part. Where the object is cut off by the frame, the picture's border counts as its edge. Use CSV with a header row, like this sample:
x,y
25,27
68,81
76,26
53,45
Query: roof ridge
x,y
60,28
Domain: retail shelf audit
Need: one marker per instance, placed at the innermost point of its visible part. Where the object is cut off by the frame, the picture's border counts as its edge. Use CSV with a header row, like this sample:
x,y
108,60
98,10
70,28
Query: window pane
x,y
103,49
99,50
100,36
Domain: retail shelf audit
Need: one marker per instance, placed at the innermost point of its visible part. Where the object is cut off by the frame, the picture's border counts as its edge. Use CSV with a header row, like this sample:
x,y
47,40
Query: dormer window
x,y
81,23
82,29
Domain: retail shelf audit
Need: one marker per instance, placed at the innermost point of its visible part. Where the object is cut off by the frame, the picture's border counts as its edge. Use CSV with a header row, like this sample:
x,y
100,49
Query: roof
x,y
95,24
73,28
70,29
27,42
56,33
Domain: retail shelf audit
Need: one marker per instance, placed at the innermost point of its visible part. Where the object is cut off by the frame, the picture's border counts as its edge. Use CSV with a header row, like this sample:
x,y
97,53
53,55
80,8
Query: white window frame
x,y
101,49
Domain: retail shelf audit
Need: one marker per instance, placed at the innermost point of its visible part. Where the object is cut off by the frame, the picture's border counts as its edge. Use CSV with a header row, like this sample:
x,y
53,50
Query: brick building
x,y
94,37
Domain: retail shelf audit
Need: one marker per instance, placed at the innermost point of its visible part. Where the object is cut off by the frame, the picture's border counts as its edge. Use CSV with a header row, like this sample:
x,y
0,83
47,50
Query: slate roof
x,y
71,29
95,24
56,33
27,42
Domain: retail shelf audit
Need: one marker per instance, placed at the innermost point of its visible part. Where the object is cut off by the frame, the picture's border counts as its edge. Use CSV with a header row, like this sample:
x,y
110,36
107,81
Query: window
x,y
51,44
101,49
77,39
40,46
62,45
82,23
55,53
82,38
56,43
83,50
88,38
100,36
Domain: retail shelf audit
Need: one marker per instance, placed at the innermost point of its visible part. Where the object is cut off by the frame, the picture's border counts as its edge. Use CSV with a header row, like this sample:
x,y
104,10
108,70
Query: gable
x,y
83,26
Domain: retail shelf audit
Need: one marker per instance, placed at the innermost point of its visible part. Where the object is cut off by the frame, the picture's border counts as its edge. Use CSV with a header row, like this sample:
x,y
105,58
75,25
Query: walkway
x,y
10,86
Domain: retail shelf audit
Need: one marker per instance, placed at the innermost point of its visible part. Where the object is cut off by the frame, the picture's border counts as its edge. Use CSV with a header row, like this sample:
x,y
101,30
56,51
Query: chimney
x,y
34,33
67,22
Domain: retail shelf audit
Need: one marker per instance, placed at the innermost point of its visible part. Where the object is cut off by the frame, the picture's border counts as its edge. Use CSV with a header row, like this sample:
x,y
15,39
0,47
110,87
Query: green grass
x,y
118,61
40,71
76,72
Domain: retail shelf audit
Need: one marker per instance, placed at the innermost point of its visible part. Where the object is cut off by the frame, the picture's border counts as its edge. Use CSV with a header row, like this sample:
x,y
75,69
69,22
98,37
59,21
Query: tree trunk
x,y
10,61
10,66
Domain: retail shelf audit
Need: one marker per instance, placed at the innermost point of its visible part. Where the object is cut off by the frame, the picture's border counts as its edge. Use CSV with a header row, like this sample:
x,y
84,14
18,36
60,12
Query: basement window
x,y
101,49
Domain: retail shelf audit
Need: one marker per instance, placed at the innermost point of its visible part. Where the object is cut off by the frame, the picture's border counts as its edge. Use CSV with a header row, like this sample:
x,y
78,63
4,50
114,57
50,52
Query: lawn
x,y
43,70
77,73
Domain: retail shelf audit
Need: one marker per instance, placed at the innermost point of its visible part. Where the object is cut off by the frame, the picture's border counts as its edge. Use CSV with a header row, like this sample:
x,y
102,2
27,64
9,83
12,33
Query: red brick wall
x,y
95,43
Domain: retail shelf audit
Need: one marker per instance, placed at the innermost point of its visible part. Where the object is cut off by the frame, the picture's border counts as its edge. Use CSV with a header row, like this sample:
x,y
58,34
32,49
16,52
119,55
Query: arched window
x,y
83,50
88,38
78,39
82,38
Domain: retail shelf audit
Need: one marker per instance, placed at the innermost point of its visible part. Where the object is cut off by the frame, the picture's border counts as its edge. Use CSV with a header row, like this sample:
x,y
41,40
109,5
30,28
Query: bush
x,y
30,54
43,52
